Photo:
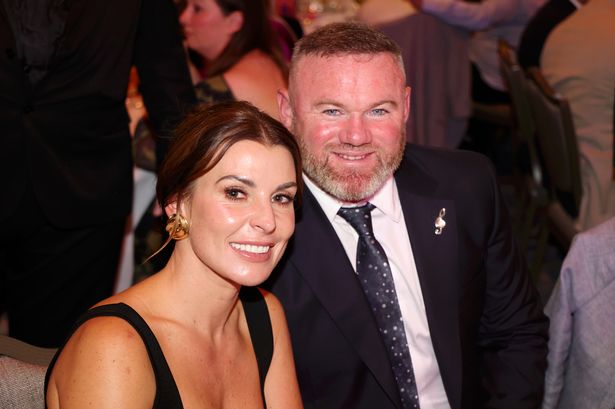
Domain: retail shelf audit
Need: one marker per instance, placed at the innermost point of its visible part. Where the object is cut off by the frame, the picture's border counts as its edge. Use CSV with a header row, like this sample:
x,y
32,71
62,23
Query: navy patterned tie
x,y
377,282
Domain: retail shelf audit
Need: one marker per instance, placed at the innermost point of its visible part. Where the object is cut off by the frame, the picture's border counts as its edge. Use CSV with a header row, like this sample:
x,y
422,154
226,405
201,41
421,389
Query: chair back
x,y
22,374
516,81
514,77
556,137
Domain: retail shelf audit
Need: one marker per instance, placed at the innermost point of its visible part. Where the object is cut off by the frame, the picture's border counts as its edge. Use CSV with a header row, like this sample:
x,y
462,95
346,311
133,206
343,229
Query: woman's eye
x,y
283,198
234,193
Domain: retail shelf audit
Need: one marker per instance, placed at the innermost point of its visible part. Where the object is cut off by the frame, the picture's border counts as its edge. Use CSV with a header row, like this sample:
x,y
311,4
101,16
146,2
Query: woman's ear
x,y
235,20
171,209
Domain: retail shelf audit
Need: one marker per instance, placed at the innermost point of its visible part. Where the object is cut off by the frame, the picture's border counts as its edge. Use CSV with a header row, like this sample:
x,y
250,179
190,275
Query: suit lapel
x,y
436,262
325,267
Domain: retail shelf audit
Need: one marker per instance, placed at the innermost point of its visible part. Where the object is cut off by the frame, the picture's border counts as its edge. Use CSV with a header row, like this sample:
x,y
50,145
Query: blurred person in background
x,y
578,61
66,158
540,26
581,360
241,58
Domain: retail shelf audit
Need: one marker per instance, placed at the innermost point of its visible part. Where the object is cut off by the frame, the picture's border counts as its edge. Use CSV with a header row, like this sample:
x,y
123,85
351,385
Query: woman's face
x,y
206,28
241,212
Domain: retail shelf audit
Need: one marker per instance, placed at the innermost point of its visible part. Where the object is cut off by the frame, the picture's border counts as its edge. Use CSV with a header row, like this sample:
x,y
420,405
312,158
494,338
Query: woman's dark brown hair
x,y
204,136
256,33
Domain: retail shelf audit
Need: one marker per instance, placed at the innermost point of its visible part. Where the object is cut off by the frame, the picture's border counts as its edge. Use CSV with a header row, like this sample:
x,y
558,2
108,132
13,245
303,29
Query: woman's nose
x,y
263,217
183,17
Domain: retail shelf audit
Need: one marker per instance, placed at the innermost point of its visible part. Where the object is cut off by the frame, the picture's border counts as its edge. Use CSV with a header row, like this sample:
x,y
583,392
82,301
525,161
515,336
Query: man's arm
x,y
513,330
470,16
163,72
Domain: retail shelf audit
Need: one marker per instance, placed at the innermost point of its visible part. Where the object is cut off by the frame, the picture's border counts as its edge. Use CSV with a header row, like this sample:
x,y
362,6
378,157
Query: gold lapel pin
x,y
440,222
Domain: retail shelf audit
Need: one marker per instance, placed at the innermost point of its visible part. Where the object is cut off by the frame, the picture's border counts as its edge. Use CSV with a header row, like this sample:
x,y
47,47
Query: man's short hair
x,y
345,38
348,38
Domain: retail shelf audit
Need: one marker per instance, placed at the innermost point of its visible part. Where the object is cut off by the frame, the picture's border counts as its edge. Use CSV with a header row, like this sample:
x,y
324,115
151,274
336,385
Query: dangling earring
x,y
177,227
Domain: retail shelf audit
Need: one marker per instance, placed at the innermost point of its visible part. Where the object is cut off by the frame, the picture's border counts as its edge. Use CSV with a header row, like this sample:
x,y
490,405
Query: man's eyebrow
x,y
326,103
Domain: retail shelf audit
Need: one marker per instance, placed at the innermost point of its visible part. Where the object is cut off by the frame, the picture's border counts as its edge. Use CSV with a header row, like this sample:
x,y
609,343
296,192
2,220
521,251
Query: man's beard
x,y
350,185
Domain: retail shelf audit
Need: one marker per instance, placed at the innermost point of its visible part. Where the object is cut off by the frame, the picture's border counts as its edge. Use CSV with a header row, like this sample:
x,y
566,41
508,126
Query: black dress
x,y
167,394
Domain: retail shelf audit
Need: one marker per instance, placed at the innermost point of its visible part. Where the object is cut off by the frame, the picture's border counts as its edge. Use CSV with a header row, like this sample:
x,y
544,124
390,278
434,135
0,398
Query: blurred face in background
x,y
207,29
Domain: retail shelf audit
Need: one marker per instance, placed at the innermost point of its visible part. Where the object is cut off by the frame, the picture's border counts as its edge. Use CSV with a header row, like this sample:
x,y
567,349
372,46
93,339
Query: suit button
x,y
10,53
27,109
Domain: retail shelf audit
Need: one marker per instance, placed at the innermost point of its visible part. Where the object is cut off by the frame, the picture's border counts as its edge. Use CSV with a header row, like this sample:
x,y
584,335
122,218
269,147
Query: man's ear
x,y
286,111
407,106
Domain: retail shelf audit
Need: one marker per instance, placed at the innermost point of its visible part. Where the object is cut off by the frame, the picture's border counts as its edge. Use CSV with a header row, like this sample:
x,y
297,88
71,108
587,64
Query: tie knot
x,y
360,218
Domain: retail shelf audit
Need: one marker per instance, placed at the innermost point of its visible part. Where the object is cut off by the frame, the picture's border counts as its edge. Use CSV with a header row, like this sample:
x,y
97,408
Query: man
x,y
491,20
65,161
581,358
460,315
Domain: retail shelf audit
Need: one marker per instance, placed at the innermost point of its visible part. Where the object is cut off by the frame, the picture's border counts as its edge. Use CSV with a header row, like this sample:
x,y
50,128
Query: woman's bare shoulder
x,y
104,364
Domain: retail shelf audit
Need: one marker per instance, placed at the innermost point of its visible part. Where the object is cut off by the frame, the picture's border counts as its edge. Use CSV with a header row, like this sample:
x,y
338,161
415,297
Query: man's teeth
x,y
250,248
354,157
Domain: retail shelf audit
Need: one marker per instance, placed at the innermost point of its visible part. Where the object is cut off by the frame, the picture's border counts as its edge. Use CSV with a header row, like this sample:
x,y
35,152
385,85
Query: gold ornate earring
x,y
177,227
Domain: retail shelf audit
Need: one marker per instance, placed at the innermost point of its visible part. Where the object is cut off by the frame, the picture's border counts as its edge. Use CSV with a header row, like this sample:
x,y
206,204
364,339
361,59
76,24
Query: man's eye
x,y
379,111
332,112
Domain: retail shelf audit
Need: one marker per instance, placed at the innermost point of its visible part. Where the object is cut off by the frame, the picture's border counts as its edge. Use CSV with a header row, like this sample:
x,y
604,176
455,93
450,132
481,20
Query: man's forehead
x,y
316,74
344,58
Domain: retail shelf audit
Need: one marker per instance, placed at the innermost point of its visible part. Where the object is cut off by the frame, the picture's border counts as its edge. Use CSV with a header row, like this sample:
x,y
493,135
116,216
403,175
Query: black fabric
x,y
483,92
38,26
42,270
538,28
259,324
167,394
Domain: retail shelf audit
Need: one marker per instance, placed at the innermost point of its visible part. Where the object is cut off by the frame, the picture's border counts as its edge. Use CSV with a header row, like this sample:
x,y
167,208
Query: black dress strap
x,y
259,324
167,394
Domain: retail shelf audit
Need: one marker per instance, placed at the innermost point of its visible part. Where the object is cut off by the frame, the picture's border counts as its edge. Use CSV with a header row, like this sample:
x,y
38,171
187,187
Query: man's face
x,y
348,113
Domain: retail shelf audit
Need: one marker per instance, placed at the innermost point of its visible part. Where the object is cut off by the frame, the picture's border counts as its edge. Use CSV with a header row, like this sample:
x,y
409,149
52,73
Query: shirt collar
x,y
386,200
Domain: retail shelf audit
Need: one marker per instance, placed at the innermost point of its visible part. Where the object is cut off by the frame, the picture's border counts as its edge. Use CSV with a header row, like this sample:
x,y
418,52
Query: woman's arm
x,y
281,387
104,365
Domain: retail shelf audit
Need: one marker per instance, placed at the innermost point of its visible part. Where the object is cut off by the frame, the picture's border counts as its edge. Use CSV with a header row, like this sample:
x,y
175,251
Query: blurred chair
x,y
557,145
22,374
533,196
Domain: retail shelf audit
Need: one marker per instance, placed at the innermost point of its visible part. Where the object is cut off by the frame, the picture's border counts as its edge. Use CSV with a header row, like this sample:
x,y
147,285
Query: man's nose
x,y
356,131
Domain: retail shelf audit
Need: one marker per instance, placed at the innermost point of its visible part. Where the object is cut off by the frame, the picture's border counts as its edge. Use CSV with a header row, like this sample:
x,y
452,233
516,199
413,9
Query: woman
x,y
241,56
187,336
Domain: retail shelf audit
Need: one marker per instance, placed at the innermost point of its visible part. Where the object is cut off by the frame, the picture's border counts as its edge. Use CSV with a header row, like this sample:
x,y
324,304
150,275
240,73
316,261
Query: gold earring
x,y
177,227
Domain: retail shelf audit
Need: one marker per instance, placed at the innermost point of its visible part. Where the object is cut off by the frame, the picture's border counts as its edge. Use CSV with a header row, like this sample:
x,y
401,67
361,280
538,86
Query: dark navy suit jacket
x,y
486,323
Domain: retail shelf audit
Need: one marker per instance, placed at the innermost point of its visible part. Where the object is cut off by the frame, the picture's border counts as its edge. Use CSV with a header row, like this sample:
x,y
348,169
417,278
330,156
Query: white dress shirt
x,y
390,230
